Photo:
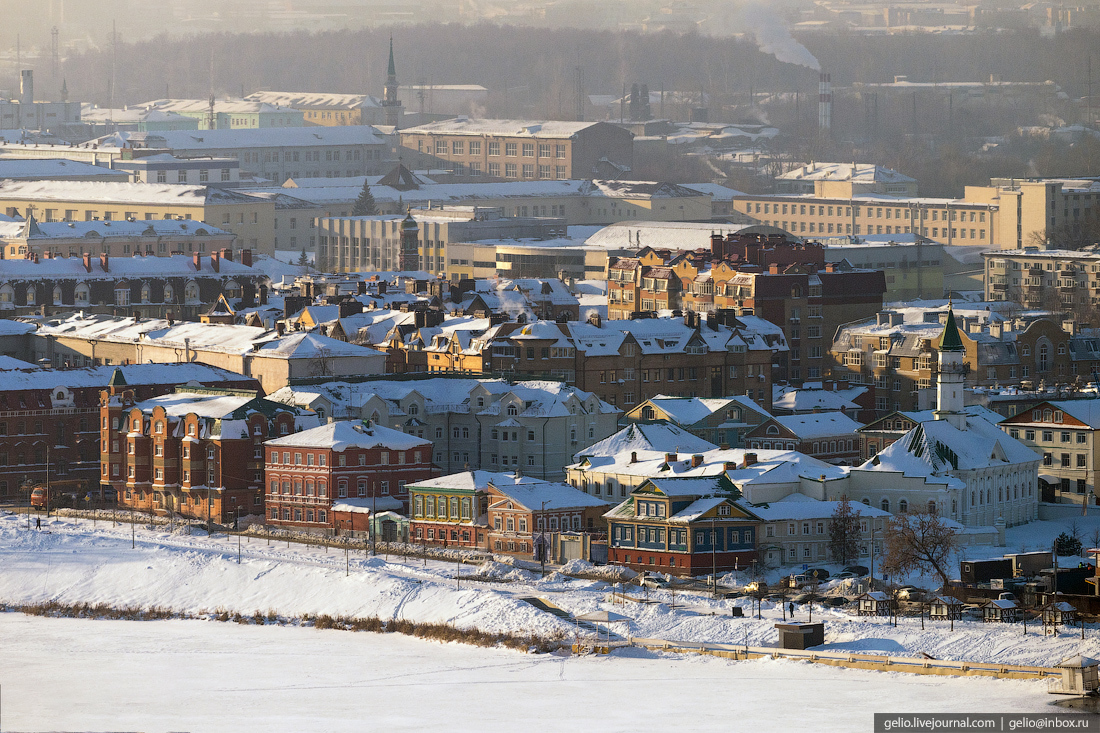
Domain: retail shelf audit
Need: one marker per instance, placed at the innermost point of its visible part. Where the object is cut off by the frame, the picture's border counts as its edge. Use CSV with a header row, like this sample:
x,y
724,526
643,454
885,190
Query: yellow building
x,y
251,218
835,208
1029,210
326,109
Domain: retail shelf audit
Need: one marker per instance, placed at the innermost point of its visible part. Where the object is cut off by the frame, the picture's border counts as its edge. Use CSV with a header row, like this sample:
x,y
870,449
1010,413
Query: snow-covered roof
x,y
633,235
119,268
474,481
339,436
215,405
46,168
257,137
300,100
546,495
29,377
225,338
690,410
110,229
855,172
804,399
935,448
552,129
648,441
114,192
800,506
221,106
818,424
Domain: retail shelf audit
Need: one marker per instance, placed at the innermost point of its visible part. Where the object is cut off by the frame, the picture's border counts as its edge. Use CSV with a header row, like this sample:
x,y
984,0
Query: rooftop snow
x,y
53,167
339,436
546,495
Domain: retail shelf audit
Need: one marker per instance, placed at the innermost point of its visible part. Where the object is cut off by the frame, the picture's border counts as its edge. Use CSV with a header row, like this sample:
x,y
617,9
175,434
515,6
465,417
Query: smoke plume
x,y
773,37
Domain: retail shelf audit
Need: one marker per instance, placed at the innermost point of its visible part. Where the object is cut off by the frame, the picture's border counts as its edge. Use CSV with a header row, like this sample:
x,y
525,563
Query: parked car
x,y
756,586
844,576
911,593
654,581
797,581
859,570
817,573
834,601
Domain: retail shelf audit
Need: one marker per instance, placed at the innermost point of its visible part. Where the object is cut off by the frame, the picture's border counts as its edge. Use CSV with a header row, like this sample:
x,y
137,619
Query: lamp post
x,y
238,523
713,558
542,538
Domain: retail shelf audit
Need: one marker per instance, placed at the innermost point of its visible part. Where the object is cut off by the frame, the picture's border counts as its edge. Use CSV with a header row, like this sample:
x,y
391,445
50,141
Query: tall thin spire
x,y
391,70
390,103
951,340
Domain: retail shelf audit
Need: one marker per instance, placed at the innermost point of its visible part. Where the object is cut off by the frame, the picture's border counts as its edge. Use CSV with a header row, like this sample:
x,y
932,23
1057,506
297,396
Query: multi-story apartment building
x,y
174,286
722,421
48,418
1028,212
201,170
835,211
766,276
373,243
1044,278
520,149
473,424
896,353
272,153
327,109
231,114
154,237
851,177
1064,433
796,530
197,452
249,217
354,463
531,520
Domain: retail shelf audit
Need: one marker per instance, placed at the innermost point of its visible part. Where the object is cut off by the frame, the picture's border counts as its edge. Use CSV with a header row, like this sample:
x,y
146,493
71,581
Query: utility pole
x,y
713,557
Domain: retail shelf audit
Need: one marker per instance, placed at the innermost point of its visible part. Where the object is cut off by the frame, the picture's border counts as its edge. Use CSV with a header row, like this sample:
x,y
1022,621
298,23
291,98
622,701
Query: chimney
x,y
26,87
227,255
696,460
215,261
361,287
670,457
633,456
717,246
825,102
47,255
996,329
87,262
280,328
773,268
730,466
246,257
104,262
1070,327
750,459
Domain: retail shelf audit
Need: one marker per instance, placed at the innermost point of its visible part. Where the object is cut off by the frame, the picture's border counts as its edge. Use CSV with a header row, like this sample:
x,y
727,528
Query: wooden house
x,y
1000,611
875,603
945,608
683,526
1058,613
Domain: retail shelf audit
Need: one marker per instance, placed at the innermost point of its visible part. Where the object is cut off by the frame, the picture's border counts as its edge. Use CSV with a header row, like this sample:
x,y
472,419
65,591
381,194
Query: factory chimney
x,y
26,87
825,102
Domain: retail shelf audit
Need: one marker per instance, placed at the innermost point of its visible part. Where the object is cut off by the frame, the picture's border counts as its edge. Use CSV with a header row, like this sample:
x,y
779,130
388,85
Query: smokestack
x,y
825,102
26,87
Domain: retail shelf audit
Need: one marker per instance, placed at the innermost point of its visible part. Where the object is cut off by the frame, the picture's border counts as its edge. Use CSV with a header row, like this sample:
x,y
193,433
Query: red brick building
x,y
197,452
524,516
53,414
348,462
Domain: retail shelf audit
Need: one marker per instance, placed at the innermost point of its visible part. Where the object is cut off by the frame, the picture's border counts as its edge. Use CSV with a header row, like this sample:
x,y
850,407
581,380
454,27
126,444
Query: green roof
x,y
951,341
117,380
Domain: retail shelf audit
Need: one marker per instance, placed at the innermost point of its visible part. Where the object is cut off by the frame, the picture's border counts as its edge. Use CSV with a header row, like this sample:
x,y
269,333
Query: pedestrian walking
x,y
38,522
790,609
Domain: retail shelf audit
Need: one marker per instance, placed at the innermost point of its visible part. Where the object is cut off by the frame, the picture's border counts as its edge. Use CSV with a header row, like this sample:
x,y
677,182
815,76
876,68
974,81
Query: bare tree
x,y
918,541
844,534
321,365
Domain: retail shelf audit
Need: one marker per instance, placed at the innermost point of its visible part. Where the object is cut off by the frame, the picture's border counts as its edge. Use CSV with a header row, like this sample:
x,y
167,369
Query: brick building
x,y
359,465
52,414
529,519
197,452
827,436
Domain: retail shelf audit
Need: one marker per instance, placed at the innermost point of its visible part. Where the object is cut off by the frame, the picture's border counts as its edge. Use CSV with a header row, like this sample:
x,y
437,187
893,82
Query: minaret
x,y
390,102
410,244
951,375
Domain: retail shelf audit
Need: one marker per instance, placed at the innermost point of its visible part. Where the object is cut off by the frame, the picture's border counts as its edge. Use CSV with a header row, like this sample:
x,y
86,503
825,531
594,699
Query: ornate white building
x,y
959,465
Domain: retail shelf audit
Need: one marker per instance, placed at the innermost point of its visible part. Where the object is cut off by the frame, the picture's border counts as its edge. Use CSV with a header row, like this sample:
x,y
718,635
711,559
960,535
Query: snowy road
x,y
68,674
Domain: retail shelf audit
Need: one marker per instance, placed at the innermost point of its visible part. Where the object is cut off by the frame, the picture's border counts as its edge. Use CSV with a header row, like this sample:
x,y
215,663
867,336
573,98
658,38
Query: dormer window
x,y
512,410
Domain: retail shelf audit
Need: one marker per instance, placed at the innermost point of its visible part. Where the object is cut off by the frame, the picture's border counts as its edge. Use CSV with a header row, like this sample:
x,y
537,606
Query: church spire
x,y
951,375
951,340
390,103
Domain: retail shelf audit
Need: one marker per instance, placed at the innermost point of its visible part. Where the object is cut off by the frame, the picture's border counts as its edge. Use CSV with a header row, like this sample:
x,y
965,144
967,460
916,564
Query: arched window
x,y
903,506
31,294
232,289
414,409
773,430
866,501
169,293
885,505
647,413
931,507
83,294
512,410
191,291
57,295
7,296
146,293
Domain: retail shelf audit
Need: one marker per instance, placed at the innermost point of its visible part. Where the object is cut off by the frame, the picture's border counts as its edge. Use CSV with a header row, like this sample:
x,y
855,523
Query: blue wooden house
x,y
683,526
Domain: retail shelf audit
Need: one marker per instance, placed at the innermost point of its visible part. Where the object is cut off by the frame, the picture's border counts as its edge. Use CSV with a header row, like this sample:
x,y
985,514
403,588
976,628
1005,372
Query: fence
x,y
877,662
